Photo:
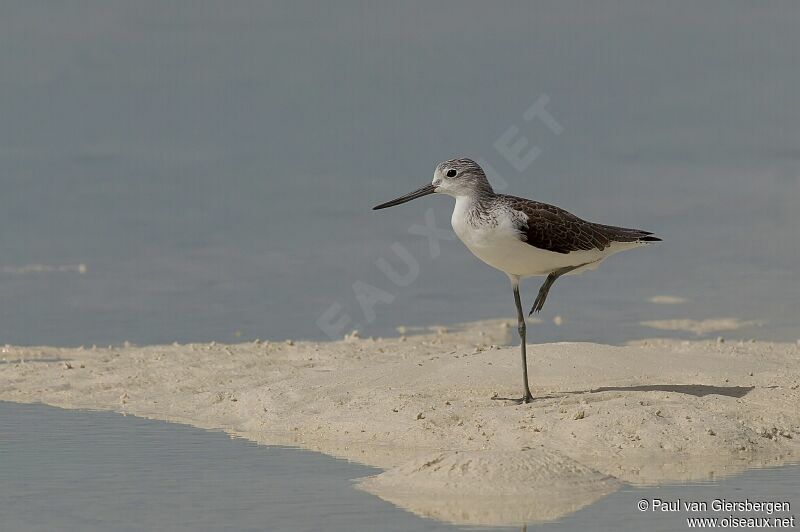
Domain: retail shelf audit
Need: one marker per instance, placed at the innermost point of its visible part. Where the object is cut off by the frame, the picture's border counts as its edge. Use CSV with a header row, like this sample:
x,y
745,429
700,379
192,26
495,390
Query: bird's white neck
x,y
465,212
464,204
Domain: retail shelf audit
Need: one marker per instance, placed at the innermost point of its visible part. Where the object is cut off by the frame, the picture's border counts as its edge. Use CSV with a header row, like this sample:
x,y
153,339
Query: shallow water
x,y
99,471
213,168
76,470
619,511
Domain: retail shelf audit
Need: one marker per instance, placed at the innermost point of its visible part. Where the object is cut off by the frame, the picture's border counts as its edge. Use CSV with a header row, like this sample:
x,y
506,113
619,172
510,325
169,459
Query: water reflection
x,y
541,487
493,487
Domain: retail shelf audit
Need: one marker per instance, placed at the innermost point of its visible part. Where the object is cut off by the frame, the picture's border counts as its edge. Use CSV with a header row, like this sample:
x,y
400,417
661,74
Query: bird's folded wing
x,y
554,229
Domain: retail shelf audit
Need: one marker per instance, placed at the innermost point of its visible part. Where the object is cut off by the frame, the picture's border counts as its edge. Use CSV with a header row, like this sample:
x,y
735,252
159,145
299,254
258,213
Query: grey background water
x,y
213,165
136,474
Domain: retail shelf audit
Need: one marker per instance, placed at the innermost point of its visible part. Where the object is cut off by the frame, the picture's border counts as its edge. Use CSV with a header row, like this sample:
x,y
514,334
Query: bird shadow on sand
x,y
535,397
698,390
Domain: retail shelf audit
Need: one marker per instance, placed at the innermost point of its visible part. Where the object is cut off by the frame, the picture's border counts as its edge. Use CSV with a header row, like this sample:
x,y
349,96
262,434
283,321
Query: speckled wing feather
x,y
554,229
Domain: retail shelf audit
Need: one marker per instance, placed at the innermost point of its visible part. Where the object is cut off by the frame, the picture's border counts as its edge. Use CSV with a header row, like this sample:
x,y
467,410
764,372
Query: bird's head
x,y
454,177
459,177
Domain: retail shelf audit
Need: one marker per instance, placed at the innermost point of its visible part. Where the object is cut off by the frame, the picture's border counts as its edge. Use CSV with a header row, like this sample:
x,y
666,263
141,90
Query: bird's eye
x,y
451,173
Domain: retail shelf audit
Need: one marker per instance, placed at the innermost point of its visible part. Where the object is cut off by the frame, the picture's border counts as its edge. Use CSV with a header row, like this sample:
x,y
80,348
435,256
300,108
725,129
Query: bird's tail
x,y
624,234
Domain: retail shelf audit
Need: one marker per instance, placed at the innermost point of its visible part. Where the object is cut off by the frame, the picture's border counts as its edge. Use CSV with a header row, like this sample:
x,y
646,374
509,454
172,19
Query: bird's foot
x,y
538,305
524,400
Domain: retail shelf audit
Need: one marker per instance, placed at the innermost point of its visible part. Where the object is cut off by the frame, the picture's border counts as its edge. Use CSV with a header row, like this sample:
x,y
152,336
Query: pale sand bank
x,y
421,408
668,300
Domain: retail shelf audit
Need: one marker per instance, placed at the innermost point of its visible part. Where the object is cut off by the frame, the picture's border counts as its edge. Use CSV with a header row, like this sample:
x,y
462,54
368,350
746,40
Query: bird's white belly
x,y
500,247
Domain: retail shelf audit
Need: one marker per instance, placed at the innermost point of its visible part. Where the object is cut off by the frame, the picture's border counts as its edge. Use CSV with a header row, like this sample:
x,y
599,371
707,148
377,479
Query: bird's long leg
x,y
528,397
548,283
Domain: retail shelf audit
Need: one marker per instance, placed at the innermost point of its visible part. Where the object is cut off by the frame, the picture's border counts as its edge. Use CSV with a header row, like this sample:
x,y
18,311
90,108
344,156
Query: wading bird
x,y
522,237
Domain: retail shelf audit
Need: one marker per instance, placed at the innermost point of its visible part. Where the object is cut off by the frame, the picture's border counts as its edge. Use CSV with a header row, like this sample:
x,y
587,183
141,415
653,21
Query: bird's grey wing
x,y
554,229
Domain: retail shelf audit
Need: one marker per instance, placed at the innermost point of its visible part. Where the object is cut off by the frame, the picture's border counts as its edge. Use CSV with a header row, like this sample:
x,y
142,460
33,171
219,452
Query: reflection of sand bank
x,y
498,487
421,408
700,327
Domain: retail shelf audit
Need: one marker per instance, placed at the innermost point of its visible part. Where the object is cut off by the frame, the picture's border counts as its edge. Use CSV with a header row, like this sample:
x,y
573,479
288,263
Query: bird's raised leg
x,y
543,291
548,283
528,397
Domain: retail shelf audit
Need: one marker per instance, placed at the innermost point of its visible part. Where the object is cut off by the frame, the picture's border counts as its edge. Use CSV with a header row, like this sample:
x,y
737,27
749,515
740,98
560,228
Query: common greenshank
x,y
522,237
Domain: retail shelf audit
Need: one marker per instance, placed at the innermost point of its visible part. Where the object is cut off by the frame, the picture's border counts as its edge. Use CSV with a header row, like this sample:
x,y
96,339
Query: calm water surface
x,y
213,167
99,471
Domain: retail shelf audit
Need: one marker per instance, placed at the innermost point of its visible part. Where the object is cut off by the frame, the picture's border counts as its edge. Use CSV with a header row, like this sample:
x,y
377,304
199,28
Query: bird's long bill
x,y
424,191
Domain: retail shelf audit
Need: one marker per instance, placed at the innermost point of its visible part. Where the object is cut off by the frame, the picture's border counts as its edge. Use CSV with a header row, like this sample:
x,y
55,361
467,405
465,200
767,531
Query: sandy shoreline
x,y
420,407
